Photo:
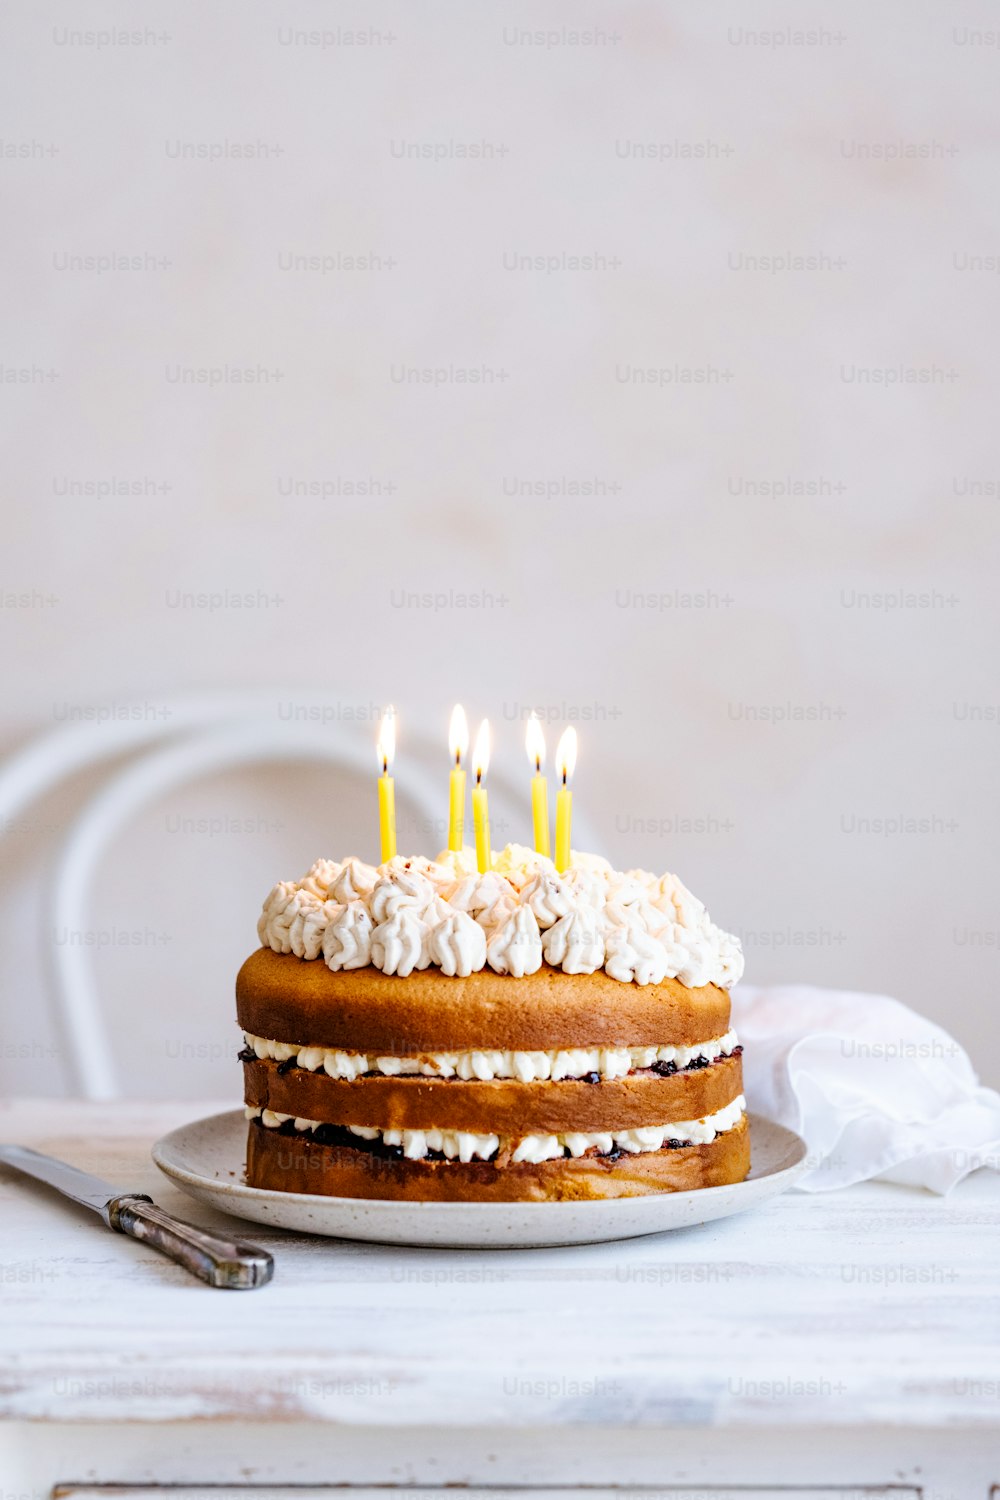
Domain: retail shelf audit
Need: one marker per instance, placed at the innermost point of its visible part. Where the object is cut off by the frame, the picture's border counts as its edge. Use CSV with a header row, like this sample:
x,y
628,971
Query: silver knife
x,y
213,1258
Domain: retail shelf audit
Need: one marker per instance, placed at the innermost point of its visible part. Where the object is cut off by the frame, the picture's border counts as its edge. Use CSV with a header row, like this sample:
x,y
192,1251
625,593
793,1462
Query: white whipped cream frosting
x,y
411,913
463,1146
487,1064
515,946
347,941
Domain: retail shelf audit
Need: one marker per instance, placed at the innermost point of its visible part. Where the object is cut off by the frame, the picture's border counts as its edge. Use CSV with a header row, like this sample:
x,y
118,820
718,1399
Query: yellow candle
x,y
387,816
456,809
535,745
565,764
540,812
480,806
386,785
564,819
458,744
481,818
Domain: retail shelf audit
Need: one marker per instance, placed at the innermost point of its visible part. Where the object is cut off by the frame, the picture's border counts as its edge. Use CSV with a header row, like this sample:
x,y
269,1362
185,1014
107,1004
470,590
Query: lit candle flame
x,y
566,755
481,752
458,734
534,742
386,745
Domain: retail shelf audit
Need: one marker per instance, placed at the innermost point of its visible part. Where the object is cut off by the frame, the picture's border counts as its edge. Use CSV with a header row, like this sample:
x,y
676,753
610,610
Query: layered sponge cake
x,y
423,1031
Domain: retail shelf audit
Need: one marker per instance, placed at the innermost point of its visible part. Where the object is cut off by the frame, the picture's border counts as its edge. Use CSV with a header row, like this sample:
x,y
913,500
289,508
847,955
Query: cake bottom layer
x,y
290,1162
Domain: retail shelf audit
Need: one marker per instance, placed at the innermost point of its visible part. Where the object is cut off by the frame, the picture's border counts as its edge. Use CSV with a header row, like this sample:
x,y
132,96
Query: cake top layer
x,y
366,1011
411,914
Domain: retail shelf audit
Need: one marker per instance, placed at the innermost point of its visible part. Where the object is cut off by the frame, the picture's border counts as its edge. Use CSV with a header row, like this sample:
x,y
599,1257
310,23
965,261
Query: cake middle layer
x,y
501,1106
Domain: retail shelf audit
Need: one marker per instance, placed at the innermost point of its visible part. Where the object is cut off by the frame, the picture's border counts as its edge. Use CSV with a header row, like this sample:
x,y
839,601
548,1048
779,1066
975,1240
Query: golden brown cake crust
x,y
502,1107
296,1164
302,1002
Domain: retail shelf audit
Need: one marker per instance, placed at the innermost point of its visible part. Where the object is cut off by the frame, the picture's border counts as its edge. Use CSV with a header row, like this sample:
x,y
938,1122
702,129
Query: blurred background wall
x,y
635,363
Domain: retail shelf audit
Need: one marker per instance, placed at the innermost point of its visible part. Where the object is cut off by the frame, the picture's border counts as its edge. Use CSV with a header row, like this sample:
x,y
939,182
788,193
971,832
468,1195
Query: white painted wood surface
x,y
270,1461
876,1307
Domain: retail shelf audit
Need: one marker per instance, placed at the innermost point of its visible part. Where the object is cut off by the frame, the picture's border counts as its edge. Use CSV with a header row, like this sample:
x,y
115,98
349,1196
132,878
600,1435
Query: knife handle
x,y
221,1262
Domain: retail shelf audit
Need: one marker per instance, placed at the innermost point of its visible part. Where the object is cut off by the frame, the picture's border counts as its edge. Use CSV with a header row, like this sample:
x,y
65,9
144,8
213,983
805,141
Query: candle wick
x,y
479,778
458,759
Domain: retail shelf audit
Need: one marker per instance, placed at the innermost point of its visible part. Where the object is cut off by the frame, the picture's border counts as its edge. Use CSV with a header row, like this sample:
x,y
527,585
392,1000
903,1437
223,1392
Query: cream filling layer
x,y
461,1145
525,1067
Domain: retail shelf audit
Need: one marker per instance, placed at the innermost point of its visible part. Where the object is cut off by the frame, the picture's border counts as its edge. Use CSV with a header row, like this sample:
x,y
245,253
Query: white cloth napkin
x,y
873,1088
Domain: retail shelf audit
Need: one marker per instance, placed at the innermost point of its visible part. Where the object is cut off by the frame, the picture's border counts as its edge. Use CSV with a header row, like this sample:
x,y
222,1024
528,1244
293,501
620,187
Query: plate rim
x,y
243,1192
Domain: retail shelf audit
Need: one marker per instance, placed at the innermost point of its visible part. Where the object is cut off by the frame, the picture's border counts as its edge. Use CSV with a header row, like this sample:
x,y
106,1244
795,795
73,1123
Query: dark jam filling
x,y
663,1069
340,1136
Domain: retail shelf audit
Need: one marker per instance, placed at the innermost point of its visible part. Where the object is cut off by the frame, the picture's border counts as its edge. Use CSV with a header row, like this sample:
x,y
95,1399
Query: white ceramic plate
x,y
208,1157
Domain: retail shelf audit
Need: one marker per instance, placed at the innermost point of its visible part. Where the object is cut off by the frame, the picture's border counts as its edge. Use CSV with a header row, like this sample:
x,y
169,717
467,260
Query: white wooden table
x,y
843,1343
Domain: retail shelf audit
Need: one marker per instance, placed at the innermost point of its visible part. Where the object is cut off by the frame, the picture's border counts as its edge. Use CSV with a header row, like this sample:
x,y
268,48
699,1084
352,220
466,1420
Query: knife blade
x,y
230,1264
92,1192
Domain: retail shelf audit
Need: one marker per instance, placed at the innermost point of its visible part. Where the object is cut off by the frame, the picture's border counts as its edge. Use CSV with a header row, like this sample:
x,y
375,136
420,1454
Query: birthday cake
x,y
422,1030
